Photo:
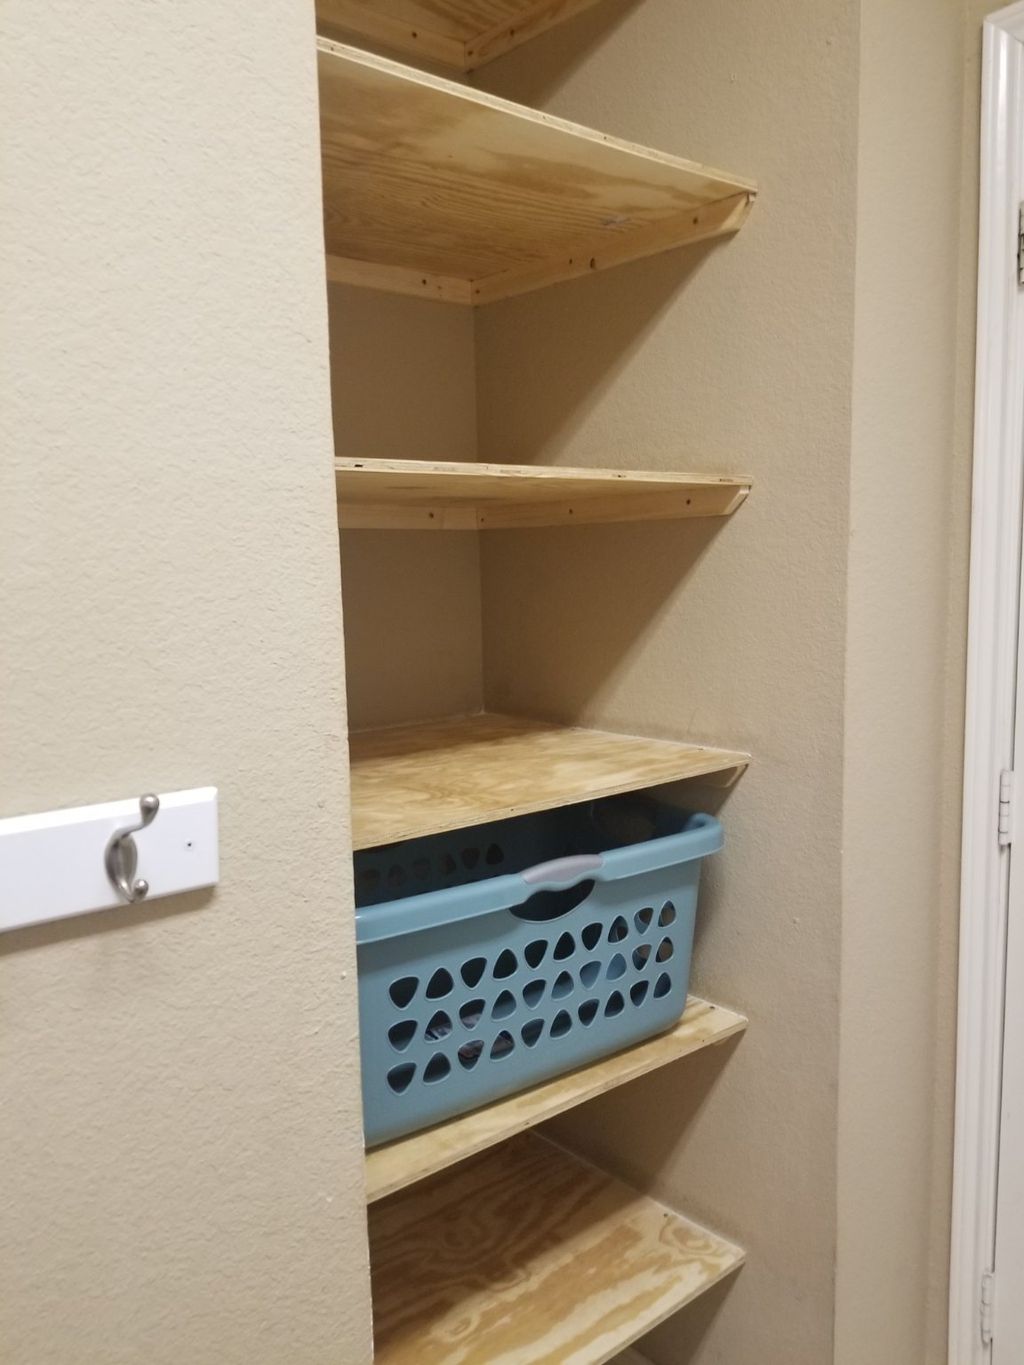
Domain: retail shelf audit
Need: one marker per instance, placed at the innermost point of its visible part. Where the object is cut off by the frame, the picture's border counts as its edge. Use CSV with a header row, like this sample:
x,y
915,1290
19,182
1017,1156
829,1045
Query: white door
x,y
1006,1288
1007,1285
1008,1262
986,1319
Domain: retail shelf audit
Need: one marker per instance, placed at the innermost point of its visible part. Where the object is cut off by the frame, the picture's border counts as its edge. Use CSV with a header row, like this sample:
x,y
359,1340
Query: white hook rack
x,y
57,864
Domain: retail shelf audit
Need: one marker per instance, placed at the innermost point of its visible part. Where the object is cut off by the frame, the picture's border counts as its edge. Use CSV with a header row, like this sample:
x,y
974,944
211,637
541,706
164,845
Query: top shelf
x,y
443,192
463,34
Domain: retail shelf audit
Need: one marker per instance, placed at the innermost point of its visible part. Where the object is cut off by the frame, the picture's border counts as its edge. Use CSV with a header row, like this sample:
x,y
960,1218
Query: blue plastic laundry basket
x,y
496,957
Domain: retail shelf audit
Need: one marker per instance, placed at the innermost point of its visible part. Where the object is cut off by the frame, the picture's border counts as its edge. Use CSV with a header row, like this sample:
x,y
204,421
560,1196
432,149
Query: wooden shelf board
x,y
403,1162
419,779
527,1253
432,495
460,33
435,189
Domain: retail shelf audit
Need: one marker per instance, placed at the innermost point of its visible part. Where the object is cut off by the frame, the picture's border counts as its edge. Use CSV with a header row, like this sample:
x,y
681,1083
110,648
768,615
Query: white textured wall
x,y
179,1129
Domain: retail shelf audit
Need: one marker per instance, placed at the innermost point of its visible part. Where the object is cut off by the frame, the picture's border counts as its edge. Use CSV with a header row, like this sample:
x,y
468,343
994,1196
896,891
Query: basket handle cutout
x,y
549,905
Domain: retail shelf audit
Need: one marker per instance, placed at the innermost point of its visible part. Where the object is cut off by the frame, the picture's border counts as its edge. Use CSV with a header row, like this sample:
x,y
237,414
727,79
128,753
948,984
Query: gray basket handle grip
x,y
562,871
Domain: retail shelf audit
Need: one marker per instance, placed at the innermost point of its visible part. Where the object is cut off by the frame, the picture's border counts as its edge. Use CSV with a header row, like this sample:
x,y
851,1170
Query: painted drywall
x,y
403,388
772,631
906,622
180,1130
735,357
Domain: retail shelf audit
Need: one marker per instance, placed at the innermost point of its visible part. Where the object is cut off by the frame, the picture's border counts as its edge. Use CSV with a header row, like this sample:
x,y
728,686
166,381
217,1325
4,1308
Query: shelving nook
x,y
488,1241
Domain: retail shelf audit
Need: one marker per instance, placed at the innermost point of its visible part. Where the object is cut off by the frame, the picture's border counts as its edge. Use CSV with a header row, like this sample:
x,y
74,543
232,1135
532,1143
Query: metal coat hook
x,y
121,856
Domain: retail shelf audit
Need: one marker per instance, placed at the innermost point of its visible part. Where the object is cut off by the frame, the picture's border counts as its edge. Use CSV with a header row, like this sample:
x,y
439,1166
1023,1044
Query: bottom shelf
x,y
526,1253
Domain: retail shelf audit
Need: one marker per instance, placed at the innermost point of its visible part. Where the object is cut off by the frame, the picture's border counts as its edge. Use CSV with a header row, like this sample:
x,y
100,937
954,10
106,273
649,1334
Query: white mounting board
x,y
51,865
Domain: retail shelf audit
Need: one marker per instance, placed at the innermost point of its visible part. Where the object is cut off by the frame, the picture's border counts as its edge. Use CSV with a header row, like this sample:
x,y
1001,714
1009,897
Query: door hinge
x,y
1006,785
1020,244
988,1295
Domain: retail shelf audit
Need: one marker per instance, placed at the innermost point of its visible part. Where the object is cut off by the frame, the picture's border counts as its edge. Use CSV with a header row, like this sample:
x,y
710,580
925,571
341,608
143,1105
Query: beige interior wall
x,y
402,381
909,518
736,358
179,1130
181,1095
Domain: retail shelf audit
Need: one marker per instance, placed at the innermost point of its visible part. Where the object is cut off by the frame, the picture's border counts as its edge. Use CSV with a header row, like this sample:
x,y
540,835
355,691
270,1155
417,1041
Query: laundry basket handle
x,y
562,871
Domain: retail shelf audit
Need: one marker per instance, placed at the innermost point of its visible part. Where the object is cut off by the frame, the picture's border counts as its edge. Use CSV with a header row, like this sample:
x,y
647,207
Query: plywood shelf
x,y
528,1254
430,495
437,190
407,1160
460,33
429,777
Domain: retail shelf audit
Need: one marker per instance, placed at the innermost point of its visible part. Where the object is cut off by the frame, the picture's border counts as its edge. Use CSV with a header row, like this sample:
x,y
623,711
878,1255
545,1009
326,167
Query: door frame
x,y
994,615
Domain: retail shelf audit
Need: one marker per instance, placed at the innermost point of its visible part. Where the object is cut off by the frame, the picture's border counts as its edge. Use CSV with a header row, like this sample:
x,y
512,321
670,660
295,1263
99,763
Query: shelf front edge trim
x,y
447,516
718,219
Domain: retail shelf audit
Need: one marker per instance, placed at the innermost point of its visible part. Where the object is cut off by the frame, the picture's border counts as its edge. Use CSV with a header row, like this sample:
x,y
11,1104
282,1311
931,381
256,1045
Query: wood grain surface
x,y
428,182
394,494
526,1254
459,33
449,774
